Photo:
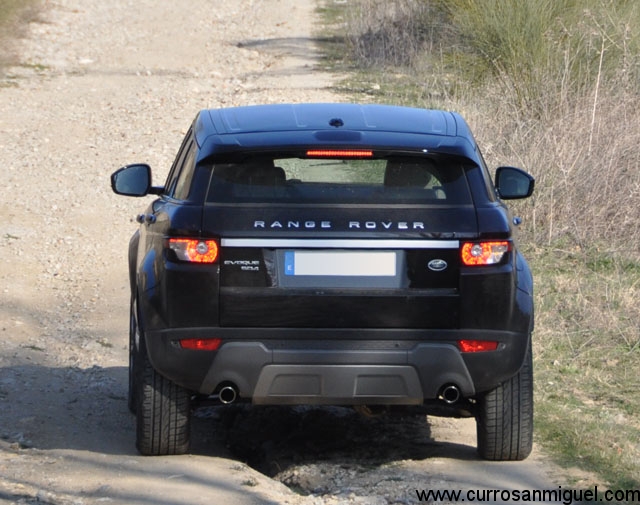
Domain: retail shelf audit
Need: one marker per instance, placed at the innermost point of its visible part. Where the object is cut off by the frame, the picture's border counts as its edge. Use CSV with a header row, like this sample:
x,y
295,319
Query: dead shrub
x,y
382,33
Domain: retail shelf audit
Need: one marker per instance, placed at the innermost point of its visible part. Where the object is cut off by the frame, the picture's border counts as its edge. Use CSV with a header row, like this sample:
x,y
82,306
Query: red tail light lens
x,y
339,153
477,345
201,344
194,250
484,253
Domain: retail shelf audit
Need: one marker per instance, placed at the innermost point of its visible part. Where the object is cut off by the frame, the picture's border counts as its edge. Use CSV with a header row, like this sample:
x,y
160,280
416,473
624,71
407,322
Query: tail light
x,y
194,250
484,253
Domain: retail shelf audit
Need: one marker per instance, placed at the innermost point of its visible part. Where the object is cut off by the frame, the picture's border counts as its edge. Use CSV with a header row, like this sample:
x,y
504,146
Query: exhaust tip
x,y
450,394
228,394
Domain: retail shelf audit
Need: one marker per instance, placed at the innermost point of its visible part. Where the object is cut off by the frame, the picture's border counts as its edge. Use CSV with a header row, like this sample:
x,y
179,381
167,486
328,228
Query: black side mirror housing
x,y
513,183
133,180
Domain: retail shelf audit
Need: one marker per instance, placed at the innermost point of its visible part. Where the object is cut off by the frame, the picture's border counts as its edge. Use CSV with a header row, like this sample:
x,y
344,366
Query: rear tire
x,y
504,418
163,420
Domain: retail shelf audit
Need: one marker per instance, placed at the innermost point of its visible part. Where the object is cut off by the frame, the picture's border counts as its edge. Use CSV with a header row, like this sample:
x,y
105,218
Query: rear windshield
x,y
394,180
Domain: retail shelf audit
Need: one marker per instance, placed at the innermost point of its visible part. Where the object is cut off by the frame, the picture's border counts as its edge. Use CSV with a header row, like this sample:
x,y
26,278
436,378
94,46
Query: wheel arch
x,y
133,260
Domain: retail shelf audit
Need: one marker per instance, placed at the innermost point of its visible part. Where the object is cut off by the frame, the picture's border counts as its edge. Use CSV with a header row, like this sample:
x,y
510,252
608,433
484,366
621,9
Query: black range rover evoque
x,y
330,254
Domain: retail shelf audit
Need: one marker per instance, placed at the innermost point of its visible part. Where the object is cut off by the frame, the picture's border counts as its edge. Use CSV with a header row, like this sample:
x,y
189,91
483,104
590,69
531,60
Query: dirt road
x,y
109,83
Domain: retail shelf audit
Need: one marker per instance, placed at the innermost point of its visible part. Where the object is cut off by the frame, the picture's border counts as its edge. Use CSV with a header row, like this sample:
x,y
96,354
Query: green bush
x,y
543,43
544,52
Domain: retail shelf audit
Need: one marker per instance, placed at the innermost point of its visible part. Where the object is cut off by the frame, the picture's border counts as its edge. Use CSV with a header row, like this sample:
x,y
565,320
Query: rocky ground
x,y
102,84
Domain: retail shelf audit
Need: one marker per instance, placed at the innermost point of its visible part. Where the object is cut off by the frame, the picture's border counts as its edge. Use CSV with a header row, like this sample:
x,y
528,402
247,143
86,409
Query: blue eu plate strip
x,y
289,263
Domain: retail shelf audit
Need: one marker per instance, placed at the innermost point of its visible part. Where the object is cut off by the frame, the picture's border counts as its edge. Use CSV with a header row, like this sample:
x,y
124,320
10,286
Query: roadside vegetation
x,y
552,86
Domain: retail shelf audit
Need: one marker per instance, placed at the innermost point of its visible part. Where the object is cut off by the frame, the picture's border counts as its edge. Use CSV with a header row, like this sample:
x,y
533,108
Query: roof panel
x,y
327,116
282,126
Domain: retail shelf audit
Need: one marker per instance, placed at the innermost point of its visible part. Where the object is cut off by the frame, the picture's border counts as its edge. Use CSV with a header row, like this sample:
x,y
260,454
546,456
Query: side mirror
x,y
132,180
513,183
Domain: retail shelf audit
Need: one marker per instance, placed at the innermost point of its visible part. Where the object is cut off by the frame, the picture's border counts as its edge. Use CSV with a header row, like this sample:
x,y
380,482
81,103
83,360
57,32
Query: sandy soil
x,y
109,83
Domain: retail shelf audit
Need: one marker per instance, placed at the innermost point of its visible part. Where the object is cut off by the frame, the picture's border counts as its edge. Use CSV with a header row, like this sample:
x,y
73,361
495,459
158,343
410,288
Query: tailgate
x,y
340,238
339,283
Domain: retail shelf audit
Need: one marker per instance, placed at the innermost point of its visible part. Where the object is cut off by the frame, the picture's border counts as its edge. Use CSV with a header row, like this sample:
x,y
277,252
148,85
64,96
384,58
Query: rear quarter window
x,y
183,182
393,180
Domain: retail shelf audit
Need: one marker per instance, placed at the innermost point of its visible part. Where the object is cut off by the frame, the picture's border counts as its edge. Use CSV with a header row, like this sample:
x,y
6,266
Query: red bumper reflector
x,y
477,345
201,344
339,153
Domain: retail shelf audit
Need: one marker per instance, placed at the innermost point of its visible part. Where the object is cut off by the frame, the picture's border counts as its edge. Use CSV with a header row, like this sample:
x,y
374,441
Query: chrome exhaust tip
x,y
228,394
450,394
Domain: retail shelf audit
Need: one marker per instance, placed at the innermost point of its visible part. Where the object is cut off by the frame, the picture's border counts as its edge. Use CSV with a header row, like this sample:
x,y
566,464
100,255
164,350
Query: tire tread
x,y
163,413
505,418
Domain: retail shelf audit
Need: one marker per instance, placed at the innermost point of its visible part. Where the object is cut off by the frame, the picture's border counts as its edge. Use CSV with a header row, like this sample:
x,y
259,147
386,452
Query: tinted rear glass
x,y
394,180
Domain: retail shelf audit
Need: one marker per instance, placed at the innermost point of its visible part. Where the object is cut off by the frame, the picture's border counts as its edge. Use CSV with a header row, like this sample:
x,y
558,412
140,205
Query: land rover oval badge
x,y
437,265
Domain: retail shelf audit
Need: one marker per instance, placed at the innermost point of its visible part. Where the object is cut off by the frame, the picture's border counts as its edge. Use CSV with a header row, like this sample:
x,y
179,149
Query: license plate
x,y
340,263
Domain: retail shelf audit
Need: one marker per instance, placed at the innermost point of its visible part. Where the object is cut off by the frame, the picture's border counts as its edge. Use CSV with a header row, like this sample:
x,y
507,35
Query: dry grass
x,y
582,232
588,175
587,348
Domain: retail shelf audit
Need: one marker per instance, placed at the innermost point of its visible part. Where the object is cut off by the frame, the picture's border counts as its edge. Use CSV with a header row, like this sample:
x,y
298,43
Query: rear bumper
x,y
337,377
304,366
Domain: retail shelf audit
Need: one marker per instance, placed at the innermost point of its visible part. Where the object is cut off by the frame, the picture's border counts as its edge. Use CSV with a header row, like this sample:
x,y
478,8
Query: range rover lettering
x,y
330,254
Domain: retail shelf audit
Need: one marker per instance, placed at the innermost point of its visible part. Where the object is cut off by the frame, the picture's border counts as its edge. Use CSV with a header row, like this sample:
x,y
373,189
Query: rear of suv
x,y
335,254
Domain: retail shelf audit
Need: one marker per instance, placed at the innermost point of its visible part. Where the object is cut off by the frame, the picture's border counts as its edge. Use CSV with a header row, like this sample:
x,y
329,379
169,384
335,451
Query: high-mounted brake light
x,y
339,153
477,345
194,250
201,344
484,253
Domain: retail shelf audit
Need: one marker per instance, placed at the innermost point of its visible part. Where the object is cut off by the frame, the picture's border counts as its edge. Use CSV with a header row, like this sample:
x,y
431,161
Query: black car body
x,y
330,254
